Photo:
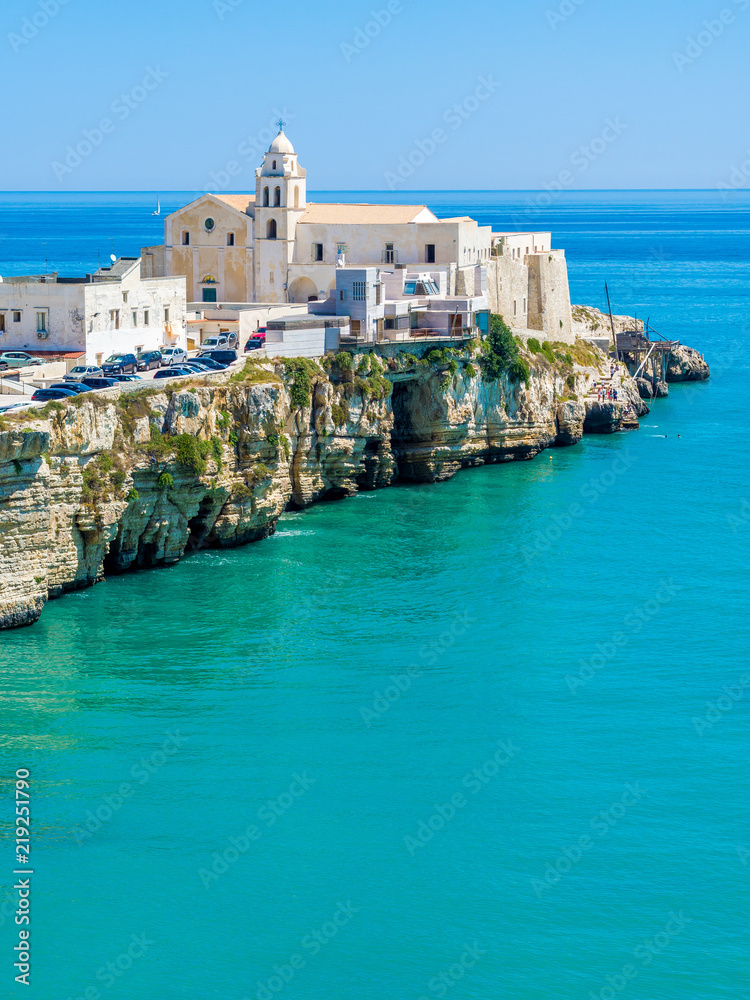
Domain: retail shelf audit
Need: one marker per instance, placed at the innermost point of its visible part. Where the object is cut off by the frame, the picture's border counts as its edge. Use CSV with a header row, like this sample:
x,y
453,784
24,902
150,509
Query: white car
x,y
219,341
81,372
173,355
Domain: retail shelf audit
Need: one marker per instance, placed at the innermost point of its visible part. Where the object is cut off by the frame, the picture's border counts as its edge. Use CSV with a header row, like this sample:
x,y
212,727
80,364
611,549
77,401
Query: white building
x,y
112,310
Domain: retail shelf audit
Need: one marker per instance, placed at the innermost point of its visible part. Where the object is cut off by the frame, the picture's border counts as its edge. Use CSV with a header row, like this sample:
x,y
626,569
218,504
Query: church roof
x,y
281,144
239,201
363,215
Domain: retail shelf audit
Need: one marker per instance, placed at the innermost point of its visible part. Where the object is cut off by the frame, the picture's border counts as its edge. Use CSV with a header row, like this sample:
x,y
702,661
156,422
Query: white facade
x,y
113,310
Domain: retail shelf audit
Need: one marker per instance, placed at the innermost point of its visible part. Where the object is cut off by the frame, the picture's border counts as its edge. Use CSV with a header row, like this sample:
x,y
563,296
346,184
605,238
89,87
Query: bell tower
x,y
280,201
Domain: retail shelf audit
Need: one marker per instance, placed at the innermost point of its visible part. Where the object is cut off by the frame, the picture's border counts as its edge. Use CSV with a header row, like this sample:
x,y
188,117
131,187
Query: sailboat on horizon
x,y
158,206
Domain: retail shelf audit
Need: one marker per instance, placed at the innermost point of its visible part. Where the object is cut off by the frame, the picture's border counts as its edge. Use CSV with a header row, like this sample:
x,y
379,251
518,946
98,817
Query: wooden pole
x,y
612,323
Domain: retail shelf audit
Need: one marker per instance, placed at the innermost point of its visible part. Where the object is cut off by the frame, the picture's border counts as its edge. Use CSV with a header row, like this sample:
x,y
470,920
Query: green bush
x,y
164,482
470,370
534,346
519,371
340,413
570,381
344,361
302,371
500,350
453,366
234,438
133,495
224,420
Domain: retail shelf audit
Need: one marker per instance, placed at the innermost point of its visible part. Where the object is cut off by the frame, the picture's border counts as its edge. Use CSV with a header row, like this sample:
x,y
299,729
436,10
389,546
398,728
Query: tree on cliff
x,y
501,354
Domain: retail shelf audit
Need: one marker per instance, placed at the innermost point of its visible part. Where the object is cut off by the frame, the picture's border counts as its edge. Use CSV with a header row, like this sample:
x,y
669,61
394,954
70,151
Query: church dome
x,y
281,144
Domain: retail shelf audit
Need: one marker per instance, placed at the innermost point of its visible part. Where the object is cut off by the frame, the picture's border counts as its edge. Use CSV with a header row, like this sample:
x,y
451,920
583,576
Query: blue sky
x,y
180,94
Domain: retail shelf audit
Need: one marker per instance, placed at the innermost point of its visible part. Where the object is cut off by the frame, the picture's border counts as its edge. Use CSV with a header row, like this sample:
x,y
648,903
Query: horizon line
x,y
385,191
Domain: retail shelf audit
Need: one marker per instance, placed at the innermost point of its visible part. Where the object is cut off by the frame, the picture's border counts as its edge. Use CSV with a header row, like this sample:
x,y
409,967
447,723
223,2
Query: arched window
x,y
296,197
271,234
265,197
277,197
274,164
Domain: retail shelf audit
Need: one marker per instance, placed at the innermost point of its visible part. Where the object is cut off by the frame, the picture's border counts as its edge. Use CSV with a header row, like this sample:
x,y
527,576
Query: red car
x,y
256,340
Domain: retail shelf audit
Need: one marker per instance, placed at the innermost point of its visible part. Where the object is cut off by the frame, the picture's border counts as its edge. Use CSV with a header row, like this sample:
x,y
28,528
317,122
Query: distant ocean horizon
x,y
554,798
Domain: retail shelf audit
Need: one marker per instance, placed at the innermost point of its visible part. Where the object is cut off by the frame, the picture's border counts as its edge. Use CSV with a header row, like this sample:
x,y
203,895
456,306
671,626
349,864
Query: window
x,y
274,164
114,318
125,297
389,256
317,252
166,314
359,293
146,317
265,197
230,239
429,253
378,293
296,197
2,322
342,295
515,307
271,232
410,288
41,322
17,316
185,238
524,305
390,322
277,197
210,225
209,295
135,317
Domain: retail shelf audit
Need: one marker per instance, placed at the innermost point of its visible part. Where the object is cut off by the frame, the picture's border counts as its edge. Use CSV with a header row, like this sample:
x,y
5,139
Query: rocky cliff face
x,y
118,480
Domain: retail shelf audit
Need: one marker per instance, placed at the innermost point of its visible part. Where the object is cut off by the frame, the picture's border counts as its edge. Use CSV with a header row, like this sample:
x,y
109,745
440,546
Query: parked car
x,y
256,340
215,342
209,363
19,359
81,372
120,364
223,357
100,383
173,372
44,395
173,355
75,386
148,360
196,365
127,378
4,366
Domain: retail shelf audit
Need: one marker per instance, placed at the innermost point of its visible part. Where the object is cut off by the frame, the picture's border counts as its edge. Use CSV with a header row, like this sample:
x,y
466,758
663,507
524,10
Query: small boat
x,y
158,207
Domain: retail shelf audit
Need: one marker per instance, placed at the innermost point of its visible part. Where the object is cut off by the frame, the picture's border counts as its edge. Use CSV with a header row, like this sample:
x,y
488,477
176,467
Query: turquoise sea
x,y
464,741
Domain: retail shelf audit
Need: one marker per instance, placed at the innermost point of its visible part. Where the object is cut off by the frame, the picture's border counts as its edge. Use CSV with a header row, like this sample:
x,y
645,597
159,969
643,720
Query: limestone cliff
x,y
116,480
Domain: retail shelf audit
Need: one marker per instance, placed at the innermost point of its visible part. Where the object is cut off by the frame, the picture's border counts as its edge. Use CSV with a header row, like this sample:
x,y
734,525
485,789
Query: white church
x,y
276,247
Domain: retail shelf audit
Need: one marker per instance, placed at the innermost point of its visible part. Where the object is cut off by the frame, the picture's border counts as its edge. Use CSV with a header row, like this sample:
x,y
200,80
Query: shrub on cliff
x,y
302,371
164,482
340,413
500,350
519,371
